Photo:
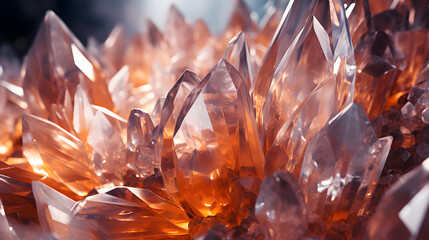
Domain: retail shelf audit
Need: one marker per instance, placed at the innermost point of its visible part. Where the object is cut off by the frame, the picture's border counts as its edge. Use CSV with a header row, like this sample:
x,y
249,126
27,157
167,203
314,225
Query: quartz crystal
x,y
140,142
52,151
169,116
299,59
215,138
238,55
49,71
305,119
280,205
118,213
403,212
344,155
287,151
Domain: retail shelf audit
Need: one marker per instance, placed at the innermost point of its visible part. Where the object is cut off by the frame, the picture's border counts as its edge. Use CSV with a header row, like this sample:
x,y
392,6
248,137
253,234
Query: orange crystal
x,y
215,139
120,140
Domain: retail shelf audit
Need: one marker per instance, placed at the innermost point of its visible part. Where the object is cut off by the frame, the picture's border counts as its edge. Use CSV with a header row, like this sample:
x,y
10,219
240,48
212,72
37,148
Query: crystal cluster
x,y
311,124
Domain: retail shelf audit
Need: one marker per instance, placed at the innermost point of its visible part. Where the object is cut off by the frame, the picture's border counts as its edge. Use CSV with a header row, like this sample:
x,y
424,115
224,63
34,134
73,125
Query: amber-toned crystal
x,y
10,123
52,151
201,228
169,116
56,61
303,59
243,196
19,207
215,139
287,151
123,140
22,171
238,55
374,79
117,213
415,57
11,100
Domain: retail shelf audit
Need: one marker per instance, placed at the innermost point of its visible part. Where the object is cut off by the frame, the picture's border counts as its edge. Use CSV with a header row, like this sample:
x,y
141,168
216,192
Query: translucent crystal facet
x,y
403,211
58,60
123,140
299,59
52,151
141,142
287,151
117,213
108,143
374,80
238,55
345,154
280,207
215,139
169,116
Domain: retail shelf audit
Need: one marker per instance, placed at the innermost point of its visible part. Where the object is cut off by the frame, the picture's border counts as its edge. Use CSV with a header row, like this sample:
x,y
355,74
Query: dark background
x,y
20,19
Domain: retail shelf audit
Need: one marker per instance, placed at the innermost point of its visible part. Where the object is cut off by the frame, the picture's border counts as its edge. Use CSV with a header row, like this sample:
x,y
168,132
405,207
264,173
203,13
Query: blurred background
x,y
20,19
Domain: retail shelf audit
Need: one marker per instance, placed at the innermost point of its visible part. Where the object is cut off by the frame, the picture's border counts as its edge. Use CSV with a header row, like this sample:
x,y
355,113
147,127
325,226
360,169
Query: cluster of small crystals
x,y
312,124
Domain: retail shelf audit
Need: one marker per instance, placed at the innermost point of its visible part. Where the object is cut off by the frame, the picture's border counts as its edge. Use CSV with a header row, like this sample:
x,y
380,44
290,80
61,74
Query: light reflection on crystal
x,y
334,163
193,152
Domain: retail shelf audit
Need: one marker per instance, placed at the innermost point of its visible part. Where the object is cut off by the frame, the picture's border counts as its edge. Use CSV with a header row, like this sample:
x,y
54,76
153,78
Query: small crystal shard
x,y
139,129
141,142
120,90
156,113
280,207
238,55
83,114
108,145
374,80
